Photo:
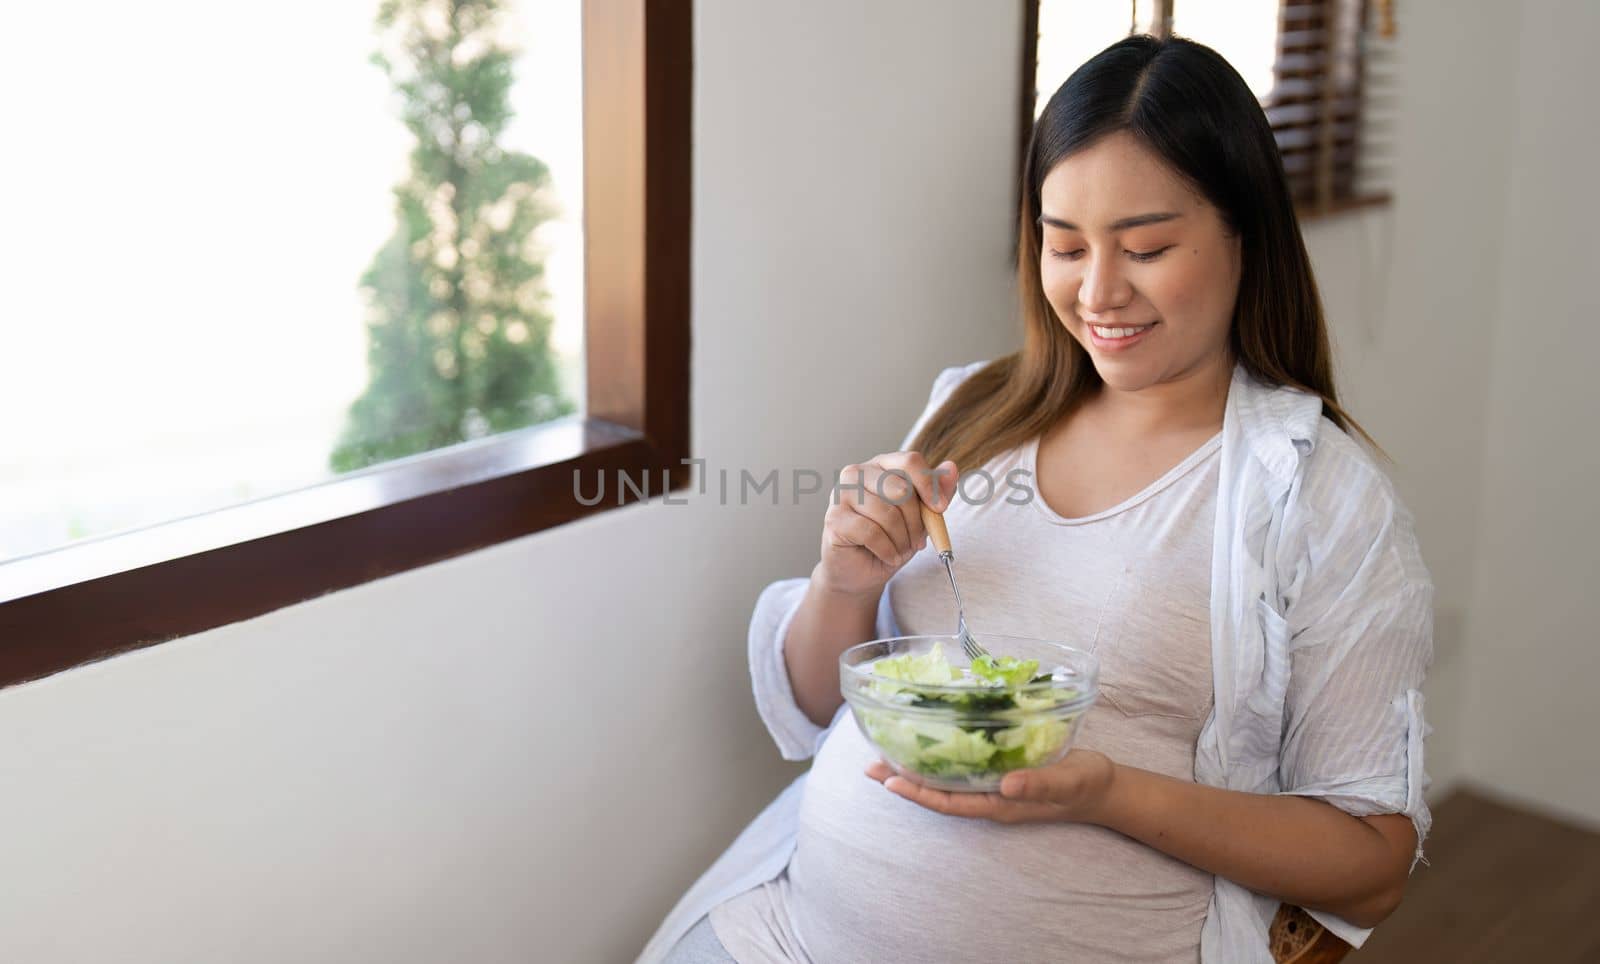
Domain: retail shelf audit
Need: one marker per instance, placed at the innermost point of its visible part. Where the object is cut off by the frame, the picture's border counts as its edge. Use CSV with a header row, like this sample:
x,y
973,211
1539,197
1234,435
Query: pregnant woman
x,y
1197,512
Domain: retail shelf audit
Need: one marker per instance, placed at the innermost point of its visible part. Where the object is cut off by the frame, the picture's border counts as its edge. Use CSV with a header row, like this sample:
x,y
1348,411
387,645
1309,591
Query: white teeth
x,y
1117,332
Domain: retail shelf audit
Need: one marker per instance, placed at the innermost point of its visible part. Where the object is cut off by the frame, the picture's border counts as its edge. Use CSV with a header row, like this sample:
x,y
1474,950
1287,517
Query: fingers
x,y
935,485
1017,786
978,806
1080,779
1053,783
895,503
970,805
849,527
911,483
878,504
880,495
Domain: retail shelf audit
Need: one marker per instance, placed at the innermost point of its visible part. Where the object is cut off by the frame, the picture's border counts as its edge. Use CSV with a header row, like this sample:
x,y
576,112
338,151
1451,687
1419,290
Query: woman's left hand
x,y
1073,790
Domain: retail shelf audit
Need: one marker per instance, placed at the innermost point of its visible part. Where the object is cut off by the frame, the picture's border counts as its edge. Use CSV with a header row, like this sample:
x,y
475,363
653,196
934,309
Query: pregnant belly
x,y
876,877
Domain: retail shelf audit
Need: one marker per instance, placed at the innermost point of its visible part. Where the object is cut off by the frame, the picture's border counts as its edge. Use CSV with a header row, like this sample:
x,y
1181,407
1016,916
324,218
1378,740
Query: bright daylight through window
x,y
1072,31
249,249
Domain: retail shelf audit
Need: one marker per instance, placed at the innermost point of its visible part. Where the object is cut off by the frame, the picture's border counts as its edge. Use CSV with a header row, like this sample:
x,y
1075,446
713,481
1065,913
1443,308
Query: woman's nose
x,y
1104,287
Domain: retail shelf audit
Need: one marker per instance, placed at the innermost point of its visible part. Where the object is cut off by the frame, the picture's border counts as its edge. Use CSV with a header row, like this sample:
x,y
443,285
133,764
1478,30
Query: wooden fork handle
x,y
934,523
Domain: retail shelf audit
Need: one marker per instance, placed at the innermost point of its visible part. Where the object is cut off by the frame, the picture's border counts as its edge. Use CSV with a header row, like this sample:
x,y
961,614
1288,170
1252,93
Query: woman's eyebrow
x,y
1122,224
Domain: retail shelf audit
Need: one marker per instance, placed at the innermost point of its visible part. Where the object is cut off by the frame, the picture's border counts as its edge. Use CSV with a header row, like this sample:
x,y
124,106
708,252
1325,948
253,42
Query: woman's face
x,y
1140,268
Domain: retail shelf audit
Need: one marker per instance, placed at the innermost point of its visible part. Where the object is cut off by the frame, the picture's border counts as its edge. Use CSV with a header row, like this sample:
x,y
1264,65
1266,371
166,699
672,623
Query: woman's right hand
x,y
874,521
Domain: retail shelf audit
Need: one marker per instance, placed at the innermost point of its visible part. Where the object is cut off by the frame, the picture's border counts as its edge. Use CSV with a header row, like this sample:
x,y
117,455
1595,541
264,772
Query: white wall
x,y
406,771
1534,635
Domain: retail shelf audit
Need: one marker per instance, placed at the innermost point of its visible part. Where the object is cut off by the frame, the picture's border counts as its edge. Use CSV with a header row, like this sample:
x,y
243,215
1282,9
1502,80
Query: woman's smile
x,y
1118,339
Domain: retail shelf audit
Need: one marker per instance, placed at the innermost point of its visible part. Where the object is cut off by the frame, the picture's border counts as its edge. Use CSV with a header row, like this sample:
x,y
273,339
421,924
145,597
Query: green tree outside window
x,y
458,329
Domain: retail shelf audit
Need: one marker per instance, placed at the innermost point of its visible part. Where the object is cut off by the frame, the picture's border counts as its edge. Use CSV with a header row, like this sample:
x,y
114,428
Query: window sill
x,y
101,597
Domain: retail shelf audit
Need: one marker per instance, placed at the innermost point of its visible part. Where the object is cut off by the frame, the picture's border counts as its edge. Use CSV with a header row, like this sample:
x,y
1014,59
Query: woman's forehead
x,y
1113,179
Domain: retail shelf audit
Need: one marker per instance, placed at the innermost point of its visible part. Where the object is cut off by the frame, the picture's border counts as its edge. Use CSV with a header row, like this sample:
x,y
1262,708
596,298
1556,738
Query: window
x,y
1317,68
344,264
311,323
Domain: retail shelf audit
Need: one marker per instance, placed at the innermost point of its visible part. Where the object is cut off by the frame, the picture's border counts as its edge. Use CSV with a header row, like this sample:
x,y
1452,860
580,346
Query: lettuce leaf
x,y
1033,740
1006,670
929,667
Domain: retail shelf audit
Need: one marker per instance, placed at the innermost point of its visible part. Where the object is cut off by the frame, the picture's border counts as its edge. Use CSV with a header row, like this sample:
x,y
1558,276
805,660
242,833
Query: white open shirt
x,y
1321,632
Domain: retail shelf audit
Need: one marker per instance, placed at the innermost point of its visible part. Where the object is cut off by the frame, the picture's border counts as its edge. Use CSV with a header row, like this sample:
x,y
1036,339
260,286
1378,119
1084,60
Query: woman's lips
x,y
1119,344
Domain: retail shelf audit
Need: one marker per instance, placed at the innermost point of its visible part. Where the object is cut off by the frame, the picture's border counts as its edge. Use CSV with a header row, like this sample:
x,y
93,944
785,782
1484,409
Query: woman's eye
x,y
1142,256
1072,255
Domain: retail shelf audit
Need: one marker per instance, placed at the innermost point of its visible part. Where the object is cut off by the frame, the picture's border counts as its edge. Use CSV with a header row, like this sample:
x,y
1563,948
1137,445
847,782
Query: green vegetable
x,y
930,667
1006,669
978,749
1036,739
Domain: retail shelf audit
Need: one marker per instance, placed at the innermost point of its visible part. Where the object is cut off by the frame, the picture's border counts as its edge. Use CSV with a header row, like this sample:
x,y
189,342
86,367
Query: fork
x,y
934,523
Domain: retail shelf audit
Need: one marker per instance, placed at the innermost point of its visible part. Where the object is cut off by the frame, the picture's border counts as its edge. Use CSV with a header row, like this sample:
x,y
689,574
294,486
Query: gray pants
x,y
699,946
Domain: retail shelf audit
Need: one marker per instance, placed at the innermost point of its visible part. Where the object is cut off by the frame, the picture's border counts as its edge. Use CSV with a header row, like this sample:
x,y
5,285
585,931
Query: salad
x,y
984,727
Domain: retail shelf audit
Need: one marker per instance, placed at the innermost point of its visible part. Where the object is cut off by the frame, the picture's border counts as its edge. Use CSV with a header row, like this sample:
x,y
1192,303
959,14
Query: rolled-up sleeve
x,y
1361,641
793,732
797,737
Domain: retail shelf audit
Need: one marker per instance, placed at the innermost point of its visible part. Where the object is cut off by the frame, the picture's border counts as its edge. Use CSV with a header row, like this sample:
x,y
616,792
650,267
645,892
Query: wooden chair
x,y
1297,938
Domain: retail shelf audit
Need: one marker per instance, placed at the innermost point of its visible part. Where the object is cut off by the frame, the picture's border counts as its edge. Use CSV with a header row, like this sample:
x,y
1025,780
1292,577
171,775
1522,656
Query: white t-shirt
x,y
878,878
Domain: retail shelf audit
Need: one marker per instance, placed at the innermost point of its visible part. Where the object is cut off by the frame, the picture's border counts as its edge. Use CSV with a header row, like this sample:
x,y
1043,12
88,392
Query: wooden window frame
x,y
100,597
1332,194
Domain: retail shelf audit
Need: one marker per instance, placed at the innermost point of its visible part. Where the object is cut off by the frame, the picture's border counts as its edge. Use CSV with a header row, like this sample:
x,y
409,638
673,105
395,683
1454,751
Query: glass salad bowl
x,y
955,724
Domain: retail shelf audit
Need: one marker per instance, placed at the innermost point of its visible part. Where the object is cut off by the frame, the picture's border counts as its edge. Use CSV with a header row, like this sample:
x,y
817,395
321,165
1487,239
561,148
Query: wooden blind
x,y
1329,101
1316,103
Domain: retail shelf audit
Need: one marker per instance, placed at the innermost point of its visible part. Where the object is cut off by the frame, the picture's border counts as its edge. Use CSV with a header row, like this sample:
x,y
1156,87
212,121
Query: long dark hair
x,y
1184,102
